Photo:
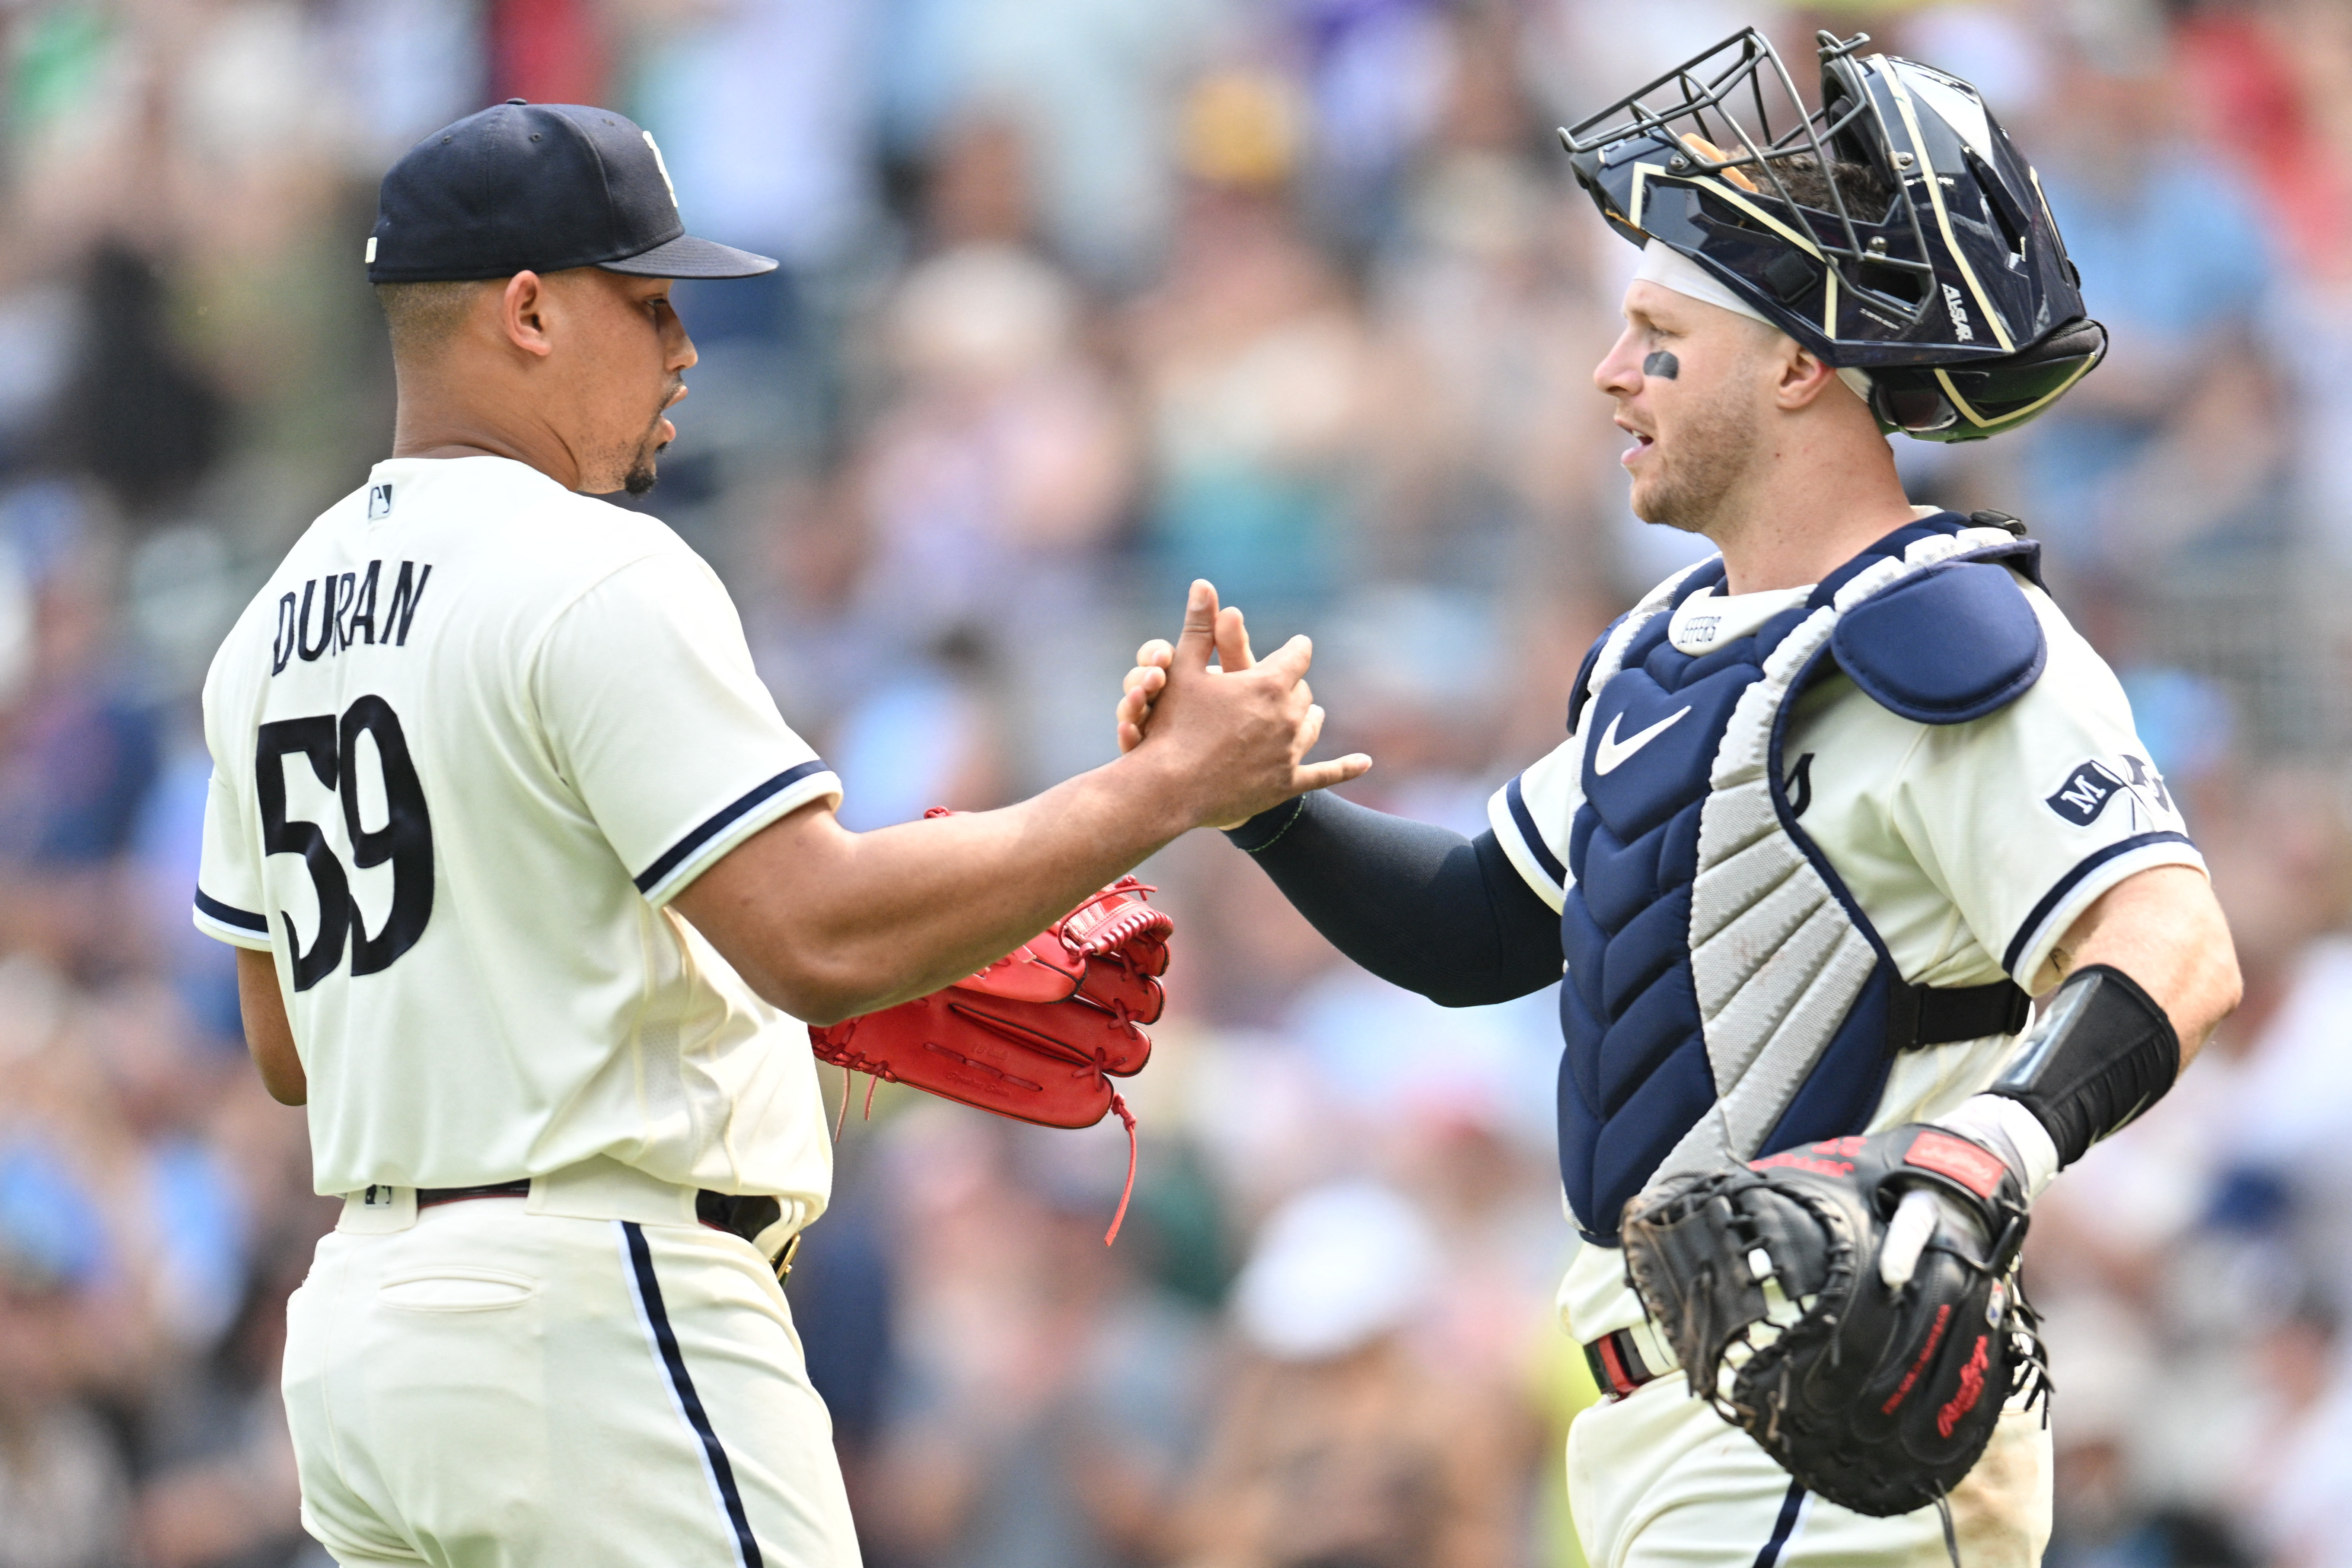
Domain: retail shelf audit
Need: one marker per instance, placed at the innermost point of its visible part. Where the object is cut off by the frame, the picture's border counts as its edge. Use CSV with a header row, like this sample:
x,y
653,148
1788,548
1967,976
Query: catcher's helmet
x,y
1893,231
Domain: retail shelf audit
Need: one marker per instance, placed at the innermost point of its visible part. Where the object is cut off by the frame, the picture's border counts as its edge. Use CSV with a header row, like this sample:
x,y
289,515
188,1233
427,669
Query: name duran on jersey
x,y
346,605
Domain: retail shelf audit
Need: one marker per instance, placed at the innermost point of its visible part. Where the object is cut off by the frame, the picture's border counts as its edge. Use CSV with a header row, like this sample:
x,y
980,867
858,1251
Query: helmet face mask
x,y
1893,228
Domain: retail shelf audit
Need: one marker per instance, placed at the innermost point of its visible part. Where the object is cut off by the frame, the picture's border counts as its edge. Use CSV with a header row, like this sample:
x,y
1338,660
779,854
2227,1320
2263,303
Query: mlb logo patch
x,y
2089,788
2085,794
379,501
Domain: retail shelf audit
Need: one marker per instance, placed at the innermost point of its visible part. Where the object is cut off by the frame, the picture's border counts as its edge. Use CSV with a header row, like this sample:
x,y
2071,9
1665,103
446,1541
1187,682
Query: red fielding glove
x,y
1038,1035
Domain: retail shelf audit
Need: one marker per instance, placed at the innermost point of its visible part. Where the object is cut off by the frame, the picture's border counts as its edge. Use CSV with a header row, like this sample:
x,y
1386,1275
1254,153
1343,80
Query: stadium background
x,y
1082,298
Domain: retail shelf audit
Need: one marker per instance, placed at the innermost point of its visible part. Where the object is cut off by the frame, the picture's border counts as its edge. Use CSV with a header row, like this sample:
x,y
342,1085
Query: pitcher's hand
x,y
1149,677
1240,732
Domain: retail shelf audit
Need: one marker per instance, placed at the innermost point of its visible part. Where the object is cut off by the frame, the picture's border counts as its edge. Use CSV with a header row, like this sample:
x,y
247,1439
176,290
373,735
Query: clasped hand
x,y
1243,737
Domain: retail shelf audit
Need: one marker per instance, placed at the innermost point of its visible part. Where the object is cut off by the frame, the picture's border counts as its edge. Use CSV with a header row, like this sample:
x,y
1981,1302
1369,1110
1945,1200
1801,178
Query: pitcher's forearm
x,y
828,922
922,905
269,1034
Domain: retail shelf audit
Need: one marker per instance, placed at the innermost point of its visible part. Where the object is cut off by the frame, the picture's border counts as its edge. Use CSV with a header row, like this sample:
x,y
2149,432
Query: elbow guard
x,y
2102,1052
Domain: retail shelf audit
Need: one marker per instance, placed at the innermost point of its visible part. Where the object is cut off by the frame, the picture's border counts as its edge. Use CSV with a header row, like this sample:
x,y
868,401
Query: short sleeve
x,y
1532,816
229,875
655,715
2024,818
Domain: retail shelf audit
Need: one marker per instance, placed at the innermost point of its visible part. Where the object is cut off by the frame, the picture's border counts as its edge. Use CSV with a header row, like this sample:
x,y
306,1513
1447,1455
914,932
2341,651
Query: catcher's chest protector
x,y
1725,995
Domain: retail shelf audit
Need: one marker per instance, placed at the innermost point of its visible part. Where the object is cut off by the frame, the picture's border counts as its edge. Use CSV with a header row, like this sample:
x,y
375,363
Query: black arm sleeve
x,y
1417,905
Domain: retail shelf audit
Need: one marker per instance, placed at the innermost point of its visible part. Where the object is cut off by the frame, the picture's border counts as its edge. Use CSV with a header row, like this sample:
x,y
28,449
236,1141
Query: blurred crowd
x,y
1081,298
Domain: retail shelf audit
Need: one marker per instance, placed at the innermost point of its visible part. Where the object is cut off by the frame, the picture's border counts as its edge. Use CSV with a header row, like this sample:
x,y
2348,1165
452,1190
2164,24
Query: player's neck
x,y
428,436
1808,513
478,414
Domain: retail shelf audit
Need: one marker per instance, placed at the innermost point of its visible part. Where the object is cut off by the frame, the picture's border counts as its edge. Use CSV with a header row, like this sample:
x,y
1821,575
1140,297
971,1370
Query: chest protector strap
x,y
1726,997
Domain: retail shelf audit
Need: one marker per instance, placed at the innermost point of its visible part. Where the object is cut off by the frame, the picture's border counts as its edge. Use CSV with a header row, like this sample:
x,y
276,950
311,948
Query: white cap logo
x,y
660,165
370,257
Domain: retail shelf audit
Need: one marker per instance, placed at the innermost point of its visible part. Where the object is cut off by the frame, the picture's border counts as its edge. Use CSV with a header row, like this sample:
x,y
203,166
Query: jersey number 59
x,y
406,840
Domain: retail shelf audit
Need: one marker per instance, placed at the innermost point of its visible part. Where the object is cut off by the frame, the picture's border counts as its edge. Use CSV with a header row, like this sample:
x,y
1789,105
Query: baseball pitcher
x,y
527,873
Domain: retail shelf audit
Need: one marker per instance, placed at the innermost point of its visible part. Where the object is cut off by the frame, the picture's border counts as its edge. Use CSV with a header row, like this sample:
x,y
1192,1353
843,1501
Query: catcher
x,y
1833,803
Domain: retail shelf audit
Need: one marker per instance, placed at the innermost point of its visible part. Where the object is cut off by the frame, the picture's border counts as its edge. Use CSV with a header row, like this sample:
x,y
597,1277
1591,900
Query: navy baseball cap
x,y
538,187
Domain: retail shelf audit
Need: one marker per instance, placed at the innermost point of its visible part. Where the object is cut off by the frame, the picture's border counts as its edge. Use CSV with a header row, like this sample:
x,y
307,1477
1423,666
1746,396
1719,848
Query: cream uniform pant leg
x,y
1658,1479
492,1388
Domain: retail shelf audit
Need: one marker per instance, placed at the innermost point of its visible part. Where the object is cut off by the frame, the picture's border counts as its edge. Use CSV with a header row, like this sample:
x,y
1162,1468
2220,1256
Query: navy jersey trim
x,y
1578,694
721,820
2067,885
1532,839
722,1473
228,914
1783,1527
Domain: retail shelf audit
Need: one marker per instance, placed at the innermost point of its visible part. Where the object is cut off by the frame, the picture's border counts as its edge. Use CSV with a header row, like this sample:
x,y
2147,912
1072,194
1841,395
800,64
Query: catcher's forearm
x,y
2102,1052
2165,929
2149,972
1417,905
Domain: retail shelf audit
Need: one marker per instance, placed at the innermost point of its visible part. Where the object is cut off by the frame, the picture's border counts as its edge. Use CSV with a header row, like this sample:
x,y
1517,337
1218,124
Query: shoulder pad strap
x,y
1952,644
2024,557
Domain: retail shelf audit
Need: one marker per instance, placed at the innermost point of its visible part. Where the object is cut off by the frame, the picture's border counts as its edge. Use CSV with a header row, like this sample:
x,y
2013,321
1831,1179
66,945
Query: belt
x,y
746,1215
426,1197
1617,1365
737,1215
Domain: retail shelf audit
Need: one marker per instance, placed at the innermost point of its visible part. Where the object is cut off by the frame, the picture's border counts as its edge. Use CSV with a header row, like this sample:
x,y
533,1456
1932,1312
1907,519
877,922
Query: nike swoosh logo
x,y
1609,754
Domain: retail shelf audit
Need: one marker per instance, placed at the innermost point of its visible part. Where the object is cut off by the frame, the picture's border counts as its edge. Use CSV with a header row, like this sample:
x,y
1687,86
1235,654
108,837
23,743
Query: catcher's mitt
x,y
1765,1281
1038,1035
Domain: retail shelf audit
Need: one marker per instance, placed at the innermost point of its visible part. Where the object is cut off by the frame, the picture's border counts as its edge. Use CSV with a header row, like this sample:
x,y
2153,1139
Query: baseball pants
x,y
1657,1479
488,1384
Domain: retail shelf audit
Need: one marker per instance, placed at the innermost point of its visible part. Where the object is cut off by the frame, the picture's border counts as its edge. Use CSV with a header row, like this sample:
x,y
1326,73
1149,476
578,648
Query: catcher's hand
x,y
1038,1035
1851,1306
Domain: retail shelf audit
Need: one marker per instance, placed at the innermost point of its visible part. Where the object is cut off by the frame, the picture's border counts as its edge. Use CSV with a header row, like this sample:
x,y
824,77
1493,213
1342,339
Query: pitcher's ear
x,y
522,312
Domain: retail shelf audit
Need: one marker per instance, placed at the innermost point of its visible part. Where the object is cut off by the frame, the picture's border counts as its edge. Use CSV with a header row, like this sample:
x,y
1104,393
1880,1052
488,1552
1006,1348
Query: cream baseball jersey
x,y
1970,847
468,743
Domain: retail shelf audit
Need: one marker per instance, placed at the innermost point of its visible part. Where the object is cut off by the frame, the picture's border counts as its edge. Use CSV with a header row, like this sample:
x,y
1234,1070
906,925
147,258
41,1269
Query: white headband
x,y
1667,267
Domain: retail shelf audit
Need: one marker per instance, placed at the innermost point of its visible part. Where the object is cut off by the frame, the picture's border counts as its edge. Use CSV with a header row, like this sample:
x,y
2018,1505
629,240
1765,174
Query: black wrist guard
x,y
2102,1052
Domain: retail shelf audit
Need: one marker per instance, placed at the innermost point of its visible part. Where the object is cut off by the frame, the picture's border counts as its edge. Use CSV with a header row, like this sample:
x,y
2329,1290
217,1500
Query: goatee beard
x,y
641,478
